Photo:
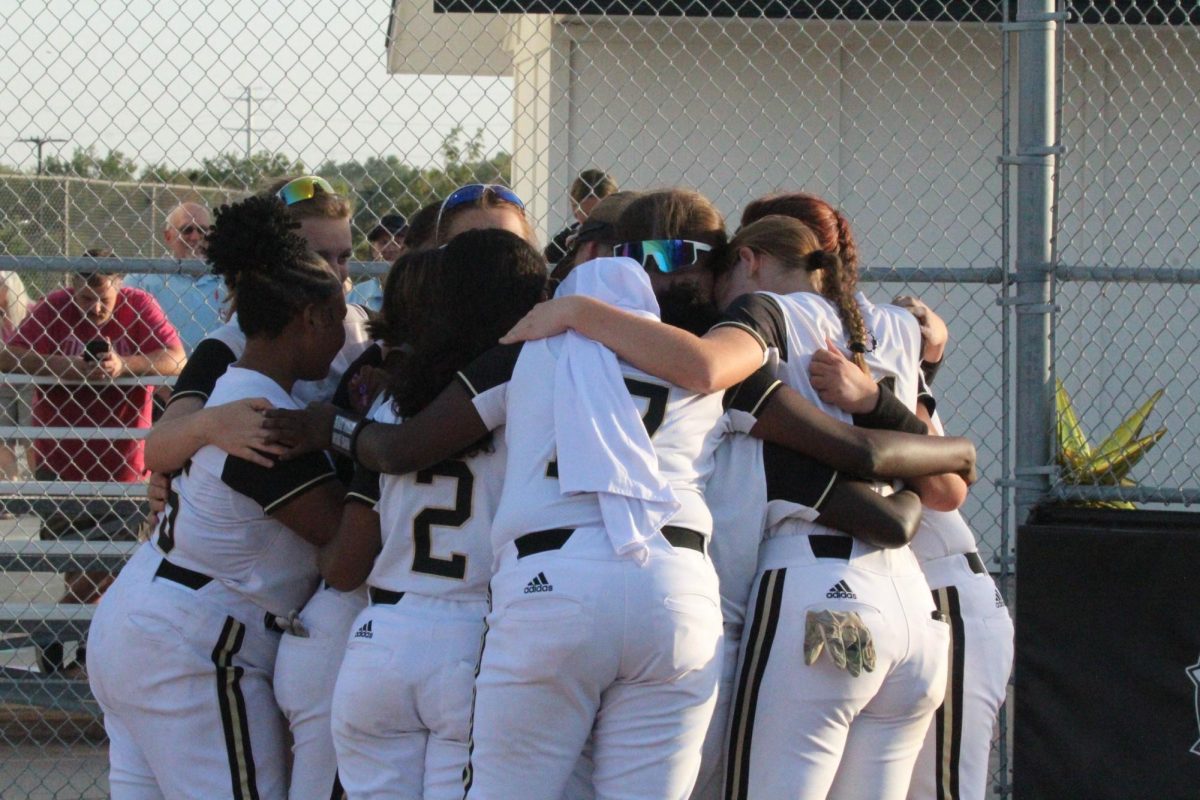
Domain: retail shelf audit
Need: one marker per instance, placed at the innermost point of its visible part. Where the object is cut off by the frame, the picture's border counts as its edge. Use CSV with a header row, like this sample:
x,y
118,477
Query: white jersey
x,y
737,495
942,533
794,327
436,523
217,517
225,345
681,425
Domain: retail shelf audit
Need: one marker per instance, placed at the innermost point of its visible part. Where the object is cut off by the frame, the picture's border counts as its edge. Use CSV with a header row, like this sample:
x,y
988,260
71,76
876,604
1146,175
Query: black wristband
x,y
891,414
930,368
346,429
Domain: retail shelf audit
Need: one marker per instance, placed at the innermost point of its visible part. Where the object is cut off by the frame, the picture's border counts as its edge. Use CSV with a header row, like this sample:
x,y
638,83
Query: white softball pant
x,y
183,676
711,777
305,672
953,764
582,641
801,731
402,706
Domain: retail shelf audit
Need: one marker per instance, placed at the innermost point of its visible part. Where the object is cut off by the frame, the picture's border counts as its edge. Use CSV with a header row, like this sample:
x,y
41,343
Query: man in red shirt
x,y
86,335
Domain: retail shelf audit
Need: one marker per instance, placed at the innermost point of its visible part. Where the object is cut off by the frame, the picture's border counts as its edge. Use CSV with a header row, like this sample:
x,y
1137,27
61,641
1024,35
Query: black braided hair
x,y
267,267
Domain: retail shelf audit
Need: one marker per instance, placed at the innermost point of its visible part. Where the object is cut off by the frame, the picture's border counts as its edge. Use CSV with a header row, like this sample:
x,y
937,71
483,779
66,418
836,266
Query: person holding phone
x,y
88,334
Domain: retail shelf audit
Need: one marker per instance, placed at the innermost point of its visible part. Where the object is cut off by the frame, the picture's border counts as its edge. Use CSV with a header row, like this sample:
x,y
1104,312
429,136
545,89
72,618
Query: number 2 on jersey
x,y
655,396
423,523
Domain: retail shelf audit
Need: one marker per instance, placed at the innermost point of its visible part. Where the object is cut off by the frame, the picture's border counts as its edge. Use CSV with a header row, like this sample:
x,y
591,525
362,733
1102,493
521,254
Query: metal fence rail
x,y
1026,166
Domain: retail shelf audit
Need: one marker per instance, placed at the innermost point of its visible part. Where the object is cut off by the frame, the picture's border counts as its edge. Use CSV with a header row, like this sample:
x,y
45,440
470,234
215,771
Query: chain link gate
x,y
900,112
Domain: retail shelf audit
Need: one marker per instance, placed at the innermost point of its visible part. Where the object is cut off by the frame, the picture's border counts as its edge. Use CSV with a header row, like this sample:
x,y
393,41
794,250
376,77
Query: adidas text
x,y
538,584
841,591
364,632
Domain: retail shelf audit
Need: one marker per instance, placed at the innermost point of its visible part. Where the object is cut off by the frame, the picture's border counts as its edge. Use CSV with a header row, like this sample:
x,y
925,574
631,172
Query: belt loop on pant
x,y
181,575
555,538
826,546
975,563
541,541
383,597
682,537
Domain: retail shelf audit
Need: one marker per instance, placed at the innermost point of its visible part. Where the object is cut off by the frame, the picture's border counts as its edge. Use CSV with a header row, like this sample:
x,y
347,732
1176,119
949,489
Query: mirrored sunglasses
x,y
470,194
665,255
304,188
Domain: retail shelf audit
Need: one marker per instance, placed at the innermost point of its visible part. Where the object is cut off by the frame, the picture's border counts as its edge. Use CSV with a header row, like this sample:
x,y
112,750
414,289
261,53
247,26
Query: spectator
x,y
88,334
586,191
13,305
193,303
186,229
387,243
387,238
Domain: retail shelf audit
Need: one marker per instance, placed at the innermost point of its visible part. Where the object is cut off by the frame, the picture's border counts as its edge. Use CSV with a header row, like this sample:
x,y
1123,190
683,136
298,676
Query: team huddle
x,y
673,519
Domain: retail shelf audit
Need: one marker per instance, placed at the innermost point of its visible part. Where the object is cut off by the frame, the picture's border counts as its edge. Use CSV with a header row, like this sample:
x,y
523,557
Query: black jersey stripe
x,y
232,702
948,719
745,699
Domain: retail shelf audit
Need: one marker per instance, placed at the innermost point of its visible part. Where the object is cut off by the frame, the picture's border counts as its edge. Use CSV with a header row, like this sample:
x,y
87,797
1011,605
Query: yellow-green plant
x,y
1108,463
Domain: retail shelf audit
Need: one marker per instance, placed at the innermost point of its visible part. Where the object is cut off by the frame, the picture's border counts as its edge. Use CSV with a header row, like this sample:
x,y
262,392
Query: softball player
x,y
581,639
186,640
907,678
402,703
953,762
306,666
954,757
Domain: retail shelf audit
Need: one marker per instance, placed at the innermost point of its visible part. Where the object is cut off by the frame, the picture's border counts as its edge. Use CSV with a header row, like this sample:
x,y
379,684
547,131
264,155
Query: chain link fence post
x,y
1036,22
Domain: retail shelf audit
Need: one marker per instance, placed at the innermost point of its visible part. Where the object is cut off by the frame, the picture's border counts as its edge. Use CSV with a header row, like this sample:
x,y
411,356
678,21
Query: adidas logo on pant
x,y
841,591
538,584
364,632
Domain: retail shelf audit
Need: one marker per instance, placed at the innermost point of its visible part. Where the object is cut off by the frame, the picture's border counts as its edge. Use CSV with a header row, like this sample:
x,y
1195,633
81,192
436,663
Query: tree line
x,y
378,185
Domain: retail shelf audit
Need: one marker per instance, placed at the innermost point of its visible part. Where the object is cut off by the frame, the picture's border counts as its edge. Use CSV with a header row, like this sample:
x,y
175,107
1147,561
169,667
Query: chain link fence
x,y
900,112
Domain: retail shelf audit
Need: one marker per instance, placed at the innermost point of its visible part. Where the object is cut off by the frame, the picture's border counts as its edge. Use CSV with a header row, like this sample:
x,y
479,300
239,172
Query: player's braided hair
x,y
840,282
454,303
252,246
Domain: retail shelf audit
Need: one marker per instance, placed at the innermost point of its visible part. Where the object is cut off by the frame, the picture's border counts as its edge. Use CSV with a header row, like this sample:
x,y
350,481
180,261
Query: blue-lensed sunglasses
x,y
470,194
304,188
665,255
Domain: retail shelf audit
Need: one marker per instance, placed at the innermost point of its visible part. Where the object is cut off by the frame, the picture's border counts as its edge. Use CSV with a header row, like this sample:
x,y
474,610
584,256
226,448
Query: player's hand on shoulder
x,y
544,320
839,382
239,428
156,492
300,431
934,333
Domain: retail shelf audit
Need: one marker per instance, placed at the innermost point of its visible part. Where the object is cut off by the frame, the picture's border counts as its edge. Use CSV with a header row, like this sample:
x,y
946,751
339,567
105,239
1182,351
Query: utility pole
x,y
39,142
250,99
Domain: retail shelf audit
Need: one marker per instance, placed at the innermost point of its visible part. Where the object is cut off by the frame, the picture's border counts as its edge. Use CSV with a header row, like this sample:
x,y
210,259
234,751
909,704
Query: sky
x,y
154,80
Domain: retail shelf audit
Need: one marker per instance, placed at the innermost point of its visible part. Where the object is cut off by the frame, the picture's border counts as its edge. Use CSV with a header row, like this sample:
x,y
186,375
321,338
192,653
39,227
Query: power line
x,y
39,142
251,100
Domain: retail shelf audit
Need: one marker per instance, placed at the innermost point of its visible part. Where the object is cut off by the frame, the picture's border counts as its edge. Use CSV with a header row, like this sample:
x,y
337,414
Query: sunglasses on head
x,y
470,194
304,188
665,255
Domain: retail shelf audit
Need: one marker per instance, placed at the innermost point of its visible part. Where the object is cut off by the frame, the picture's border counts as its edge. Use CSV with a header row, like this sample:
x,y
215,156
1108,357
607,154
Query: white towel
x,y
603,446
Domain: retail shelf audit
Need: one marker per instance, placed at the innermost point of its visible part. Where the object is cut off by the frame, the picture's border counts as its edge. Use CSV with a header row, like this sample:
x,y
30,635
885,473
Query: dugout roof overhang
x,y
471,37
